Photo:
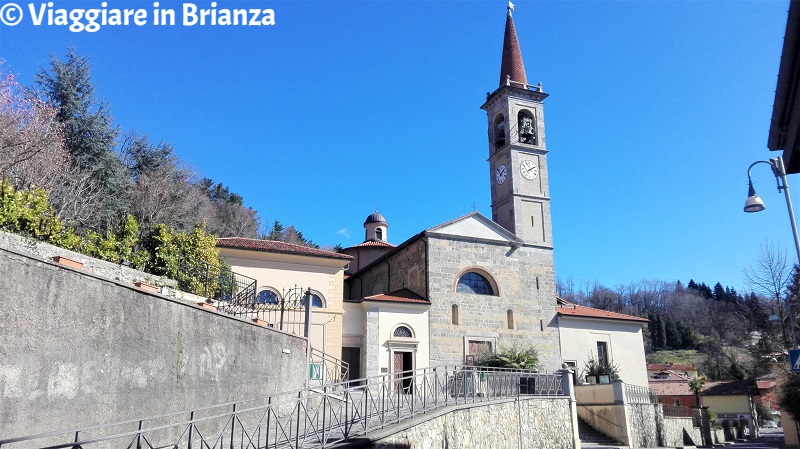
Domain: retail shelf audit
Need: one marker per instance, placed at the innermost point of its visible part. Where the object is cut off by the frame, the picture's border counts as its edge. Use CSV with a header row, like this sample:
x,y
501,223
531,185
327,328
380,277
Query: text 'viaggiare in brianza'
x,y
83,19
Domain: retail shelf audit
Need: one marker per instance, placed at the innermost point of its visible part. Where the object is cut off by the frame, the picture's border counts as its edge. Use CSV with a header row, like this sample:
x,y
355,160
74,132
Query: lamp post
x,y
755,204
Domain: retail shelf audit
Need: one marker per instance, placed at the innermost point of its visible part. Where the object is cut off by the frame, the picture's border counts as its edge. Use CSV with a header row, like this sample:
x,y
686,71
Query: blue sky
x,y
656,109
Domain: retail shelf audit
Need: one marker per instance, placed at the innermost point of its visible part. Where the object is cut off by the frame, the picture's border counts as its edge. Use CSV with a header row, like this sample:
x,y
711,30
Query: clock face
x,y
529,170
500,174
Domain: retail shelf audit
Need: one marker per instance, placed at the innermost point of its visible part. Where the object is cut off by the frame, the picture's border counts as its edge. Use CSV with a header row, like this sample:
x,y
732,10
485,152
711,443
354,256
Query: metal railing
x,y
284,312
309,418
677,411
635,394
327,369
215,282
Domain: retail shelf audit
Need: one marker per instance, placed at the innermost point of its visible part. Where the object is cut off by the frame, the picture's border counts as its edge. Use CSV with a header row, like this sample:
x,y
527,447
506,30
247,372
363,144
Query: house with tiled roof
x,y
283,273
733,402
607,337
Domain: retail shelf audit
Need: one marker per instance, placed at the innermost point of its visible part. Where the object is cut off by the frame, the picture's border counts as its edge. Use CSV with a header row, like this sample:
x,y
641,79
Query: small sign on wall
x,y
315,371
470,360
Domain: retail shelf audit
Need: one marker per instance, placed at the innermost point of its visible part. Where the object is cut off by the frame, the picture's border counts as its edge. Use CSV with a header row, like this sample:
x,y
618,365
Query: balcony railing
x,y
635,394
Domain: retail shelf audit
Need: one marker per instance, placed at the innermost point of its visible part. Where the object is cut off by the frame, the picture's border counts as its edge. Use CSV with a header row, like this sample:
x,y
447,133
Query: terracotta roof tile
x,y
731,388
375,243
273,246
764,384
589,312
403,295
670,388
511,64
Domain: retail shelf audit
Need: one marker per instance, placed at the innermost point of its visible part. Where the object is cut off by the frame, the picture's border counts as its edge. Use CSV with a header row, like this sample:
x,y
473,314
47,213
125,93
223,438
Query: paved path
x,y
770,439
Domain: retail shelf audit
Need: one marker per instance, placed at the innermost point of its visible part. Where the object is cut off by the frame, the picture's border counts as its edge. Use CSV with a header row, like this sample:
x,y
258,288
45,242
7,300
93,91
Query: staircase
x,y
590,438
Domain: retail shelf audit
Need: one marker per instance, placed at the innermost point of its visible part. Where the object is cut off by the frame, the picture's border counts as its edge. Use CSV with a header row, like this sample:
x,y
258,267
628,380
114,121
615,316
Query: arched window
x,y
499,131
510,318
267,297
379,233
402,331
454,318
526,127
316,301
472,282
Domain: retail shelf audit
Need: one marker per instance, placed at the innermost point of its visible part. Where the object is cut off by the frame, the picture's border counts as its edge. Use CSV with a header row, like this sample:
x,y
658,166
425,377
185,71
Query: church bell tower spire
x,y
512,66
517,148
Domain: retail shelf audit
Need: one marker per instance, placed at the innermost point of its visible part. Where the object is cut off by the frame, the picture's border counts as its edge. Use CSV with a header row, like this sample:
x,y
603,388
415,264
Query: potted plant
x,y
600,372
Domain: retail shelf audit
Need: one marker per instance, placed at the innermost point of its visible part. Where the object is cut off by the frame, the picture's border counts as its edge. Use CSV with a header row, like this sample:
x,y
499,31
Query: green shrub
x,y
28,213
517,357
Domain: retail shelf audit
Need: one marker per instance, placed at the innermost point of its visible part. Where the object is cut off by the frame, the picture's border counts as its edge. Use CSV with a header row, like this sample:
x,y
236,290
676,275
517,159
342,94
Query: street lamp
x,y
755,204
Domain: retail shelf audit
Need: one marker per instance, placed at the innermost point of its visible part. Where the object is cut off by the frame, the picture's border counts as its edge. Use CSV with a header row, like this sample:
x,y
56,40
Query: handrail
x,y
314,417
601,417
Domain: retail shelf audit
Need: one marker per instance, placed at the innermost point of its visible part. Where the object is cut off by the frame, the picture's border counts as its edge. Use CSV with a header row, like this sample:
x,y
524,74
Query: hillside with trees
x,y
728,335
58,136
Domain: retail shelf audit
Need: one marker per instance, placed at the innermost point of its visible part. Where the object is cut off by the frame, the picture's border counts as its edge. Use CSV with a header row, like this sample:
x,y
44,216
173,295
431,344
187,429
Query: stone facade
x,y
525,281
527,423
404,268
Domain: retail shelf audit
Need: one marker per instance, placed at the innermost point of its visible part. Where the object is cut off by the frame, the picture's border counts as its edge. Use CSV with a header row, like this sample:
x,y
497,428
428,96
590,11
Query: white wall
x,y
393,315
579,337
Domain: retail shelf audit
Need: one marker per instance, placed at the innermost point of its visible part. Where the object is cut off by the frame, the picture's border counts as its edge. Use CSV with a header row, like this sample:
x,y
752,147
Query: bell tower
x,y
517,149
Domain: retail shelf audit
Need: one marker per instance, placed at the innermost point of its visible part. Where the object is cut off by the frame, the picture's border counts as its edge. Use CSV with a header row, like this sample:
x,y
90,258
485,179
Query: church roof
x,y
274,246
403,295
511,65
475,225
568,309
375,217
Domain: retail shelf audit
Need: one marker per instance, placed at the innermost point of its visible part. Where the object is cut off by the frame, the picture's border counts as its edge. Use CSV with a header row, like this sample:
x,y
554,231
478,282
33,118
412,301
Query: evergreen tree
x,y
691,285
652,328
89,133
661,332
674,340
719,293
687,336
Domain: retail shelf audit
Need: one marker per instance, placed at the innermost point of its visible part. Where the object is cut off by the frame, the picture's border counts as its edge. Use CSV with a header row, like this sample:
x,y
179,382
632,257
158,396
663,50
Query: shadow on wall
x,y
368,443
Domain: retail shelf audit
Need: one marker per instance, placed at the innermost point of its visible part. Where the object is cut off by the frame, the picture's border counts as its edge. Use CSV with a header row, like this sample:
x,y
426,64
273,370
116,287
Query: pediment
x,y
475,226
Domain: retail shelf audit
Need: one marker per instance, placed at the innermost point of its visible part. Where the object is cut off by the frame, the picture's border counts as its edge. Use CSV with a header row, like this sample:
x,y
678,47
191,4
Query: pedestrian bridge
x,y
409,409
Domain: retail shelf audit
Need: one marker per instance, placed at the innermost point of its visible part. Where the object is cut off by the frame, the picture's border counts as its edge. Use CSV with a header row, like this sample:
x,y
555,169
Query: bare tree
x,y
771,274
31,139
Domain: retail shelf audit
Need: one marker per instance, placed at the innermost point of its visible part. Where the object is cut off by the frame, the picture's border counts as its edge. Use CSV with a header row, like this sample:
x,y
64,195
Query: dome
x,y
375,217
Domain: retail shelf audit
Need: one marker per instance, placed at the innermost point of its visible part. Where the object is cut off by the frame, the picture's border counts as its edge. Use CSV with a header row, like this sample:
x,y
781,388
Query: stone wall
x,y
403,269
108,270
680,432
643,422
78,349
537,423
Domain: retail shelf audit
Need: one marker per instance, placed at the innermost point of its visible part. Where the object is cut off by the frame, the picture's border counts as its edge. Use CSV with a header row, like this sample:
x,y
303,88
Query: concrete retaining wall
x,y
606,419
77,349
537,423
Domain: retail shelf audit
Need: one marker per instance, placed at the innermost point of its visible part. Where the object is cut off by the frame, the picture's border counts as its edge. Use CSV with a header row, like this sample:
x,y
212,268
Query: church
x,y
472,284
460,289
